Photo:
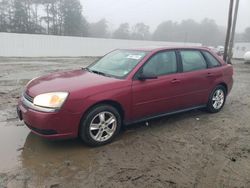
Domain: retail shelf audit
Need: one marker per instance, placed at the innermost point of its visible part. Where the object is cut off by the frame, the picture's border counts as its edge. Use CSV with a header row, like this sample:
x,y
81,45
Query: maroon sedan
x,y
124,87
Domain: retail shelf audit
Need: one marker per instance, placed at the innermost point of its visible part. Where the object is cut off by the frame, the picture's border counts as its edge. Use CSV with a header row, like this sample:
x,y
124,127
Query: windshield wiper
x,y
97,72
85,68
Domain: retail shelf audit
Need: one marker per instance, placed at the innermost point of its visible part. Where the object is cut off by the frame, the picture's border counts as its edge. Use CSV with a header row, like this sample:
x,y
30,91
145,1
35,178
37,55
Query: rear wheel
x,y
100,125
217,99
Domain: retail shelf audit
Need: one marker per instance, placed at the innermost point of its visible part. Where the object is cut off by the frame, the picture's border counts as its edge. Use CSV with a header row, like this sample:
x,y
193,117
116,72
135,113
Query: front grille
x,y
27,97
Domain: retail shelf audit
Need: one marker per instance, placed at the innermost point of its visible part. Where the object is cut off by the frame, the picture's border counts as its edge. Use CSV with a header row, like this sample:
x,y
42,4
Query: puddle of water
x,y
40,153
22,149
12,139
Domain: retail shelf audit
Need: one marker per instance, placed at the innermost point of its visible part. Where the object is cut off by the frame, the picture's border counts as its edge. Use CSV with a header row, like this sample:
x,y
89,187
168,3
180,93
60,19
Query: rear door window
x,y
192,60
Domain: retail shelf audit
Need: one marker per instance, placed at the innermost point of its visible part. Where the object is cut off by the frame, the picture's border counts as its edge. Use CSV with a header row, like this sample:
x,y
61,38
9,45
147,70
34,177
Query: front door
x,y
156,96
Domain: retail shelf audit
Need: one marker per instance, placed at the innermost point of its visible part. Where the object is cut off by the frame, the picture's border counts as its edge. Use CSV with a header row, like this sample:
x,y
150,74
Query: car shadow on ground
x,y
167,120
37,151
34,141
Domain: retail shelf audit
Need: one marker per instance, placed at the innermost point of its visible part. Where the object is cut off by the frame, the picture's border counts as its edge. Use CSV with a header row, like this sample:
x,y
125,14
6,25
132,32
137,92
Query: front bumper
x,y
52,125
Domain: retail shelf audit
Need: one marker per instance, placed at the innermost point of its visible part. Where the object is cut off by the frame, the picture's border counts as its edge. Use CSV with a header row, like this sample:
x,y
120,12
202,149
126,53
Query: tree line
x,y
56,17
64,17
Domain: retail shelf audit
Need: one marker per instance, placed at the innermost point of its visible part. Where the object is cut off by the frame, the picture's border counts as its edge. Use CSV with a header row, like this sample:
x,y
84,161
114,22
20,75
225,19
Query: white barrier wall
x,y
27,45
240,49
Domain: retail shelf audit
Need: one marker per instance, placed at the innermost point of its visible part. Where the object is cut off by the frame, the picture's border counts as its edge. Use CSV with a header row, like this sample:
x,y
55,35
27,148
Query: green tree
x,y
166,31
188,31
98,29
122,32
209,32
20,19
60,17
140,32
5,15
85,27
72,17
246,35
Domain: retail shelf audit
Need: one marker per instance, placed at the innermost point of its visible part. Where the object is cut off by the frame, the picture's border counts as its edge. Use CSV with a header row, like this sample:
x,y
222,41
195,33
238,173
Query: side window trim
x,y
181,62
135,77
206,60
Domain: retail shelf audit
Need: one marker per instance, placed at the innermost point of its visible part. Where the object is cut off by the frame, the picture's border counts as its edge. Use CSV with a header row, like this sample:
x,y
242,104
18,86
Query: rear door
x,y
196,79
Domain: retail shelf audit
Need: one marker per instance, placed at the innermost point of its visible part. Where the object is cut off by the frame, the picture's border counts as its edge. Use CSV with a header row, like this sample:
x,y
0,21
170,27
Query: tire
x,y
217,99
100,125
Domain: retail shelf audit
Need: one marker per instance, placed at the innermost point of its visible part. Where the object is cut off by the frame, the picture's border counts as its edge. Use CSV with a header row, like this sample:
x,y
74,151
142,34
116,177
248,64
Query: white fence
x,y
27,45
240,49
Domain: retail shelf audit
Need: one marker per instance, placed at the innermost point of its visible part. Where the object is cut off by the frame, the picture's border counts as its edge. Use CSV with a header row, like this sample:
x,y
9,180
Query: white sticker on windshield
x,y
125,72
134,57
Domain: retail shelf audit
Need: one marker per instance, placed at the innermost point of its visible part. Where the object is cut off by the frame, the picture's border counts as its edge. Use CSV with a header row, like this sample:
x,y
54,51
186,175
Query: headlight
x,y
51,100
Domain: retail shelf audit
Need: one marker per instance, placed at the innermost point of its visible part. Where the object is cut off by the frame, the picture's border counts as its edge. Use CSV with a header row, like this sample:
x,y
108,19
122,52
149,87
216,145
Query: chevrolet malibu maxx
x,y
124,87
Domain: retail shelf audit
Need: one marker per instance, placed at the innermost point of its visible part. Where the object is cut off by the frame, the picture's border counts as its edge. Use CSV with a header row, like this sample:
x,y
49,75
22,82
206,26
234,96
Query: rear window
x,y
192,60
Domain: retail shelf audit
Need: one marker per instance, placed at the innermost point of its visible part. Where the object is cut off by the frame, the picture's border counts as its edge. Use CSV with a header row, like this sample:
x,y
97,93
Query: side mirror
x,y
146,75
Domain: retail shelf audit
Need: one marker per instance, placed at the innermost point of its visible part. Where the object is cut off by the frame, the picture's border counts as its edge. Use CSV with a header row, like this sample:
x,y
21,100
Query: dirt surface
x,y
193,149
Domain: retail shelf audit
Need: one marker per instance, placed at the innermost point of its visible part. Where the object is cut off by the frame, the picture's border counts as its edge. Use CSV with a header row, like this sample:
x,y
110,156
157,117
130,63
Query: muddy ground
x,y
193,149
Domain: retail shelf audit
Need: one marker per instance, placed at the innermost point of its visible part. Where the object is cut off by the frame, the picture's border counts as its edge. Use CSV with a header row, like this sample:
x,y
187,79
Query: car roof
x,y
160,48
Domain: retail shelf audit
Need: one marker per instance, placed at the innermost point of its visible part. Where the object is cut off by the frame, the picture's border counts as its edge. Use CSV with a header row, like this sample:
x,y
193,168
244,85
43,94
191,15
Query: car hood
x,y
72,81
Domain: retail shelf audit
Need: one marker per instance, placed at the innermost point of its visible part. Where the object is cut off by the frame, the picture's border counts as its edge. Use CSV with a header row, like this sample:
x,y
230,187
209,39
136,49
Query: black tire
x,y
87,136
211,103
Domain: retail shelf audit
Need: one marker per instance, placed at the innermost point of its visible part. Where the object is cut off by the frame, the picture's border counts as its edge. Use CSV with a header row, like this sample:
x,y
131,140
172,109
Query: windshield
x,y
118,63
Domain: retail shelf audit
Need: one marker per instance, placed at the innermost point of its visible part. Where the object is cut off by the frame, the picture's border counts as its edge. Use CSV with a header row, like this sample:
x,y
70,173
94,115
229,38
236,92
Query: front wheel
x,y
100,125
217,99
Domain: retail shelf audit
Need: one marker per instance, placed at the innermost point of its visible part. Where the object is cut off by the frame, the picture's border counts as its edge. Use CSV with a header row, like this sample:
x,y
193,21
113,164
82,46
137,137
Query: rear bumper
x,y
50,125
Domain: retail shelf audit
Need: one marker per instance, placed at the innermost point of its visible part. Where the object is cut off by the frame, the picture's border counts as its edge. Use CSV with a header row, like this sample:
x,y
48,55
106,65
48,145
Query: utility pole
x,y
231,43
229,26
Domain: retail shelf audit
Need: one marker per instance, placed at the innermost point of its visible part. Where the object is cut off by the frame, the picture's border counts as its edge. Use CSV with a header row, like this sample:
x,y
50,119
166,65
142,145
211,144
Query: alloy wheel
x,y
103,126
218,99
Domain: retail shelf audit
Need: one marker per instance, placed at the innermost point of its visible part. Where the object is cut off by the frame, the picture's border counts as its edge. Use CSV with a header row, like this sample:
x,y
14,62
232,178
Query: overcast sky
x,y
153,12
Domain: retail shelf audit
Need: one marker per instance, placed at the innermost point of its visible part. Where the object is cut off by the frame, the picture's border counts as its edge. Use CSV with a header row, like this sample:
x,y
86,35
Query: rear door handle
x,y
210,74
175,81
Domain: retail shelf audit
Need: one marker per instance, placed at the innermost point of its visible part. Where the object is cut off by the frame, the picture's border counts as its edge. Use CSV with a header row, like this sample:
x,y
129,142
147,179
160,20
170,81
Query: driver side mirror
x,y
146,75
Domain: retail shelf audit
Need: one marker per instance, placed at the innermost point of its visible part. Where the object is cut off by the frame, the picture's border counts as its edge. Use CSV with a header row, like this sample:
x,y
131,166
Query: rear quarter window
x,y
212,60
